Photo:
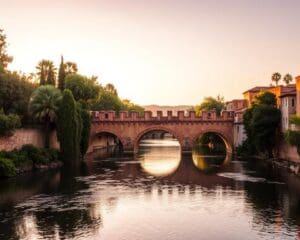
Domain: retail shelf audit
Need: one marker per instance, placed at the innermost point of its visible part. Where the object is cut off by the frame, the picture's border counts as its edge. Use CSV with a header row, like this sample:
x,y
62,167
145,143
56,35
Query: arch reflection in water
x,y
210,153
159,157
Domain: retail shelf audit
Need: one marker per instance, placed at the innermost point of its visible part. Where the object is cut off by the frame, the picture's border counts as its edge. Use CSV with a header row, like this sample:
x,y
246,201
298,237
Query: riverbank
x,y
280,163
28,159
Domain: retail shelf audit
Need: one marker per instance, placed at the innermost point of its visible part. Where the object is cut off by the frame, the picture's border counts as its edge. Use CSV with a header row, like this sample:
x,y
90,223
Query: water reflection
x,y
119,197
159,157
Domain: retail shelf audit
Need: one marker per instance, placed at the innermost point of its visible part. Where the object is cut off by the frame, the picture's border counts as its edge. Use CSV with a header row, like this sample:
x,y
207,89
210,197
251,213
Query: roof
x,y
291,92
257,89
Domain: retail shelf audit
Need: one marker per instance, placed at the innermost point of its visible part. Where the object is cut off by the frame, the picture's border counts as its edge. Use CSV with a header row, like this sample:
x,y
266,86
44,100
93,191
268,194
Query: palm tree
x,y
276,77
43,106
288,78
70,68
46,72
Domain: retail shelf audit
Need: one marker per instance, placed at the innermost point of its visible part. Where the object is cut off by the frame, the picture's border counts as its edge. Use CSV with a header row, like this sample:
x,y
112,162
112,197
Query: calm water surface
x,y
156,195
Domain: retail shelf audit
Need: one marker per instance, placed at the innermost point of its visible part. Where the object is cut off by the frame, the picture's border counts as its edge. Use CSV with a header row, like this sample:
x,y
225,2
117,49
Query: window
x,y
293,102
238,129
106,115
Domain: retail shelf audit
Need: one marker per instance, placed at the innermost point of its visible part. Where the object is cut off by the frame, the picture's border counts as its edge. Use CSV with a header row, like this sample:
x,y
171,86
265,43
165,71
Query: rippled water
x,y
155,195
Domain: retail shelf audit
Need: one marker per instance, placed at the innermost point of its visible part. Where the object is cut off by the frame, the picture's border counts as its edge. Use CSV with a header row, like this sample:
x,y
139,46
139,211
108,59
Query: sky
x,y
166,52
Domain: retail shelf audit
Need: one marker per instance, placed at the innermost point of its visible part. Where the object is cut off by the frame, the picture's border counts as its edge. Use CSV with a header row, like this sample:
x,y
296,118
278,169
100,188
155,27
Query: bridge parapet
x,y
133,116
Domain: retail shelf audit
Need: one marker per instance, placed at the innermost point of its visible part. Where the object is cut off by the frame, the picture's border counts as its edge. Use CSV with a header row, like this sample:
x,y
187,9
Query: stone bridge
x,y
130,127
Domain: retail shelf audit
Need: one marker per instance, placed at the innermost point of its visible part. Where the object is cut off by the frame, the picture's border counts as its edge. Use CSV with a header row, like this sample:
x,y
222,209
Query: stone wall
x,y
23,136
289,152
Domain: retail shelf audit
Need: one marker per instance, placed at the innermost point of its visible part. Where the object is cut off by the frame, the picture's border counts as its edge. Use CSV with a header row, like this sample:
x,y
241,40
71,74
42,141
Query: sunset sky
x,y
159,51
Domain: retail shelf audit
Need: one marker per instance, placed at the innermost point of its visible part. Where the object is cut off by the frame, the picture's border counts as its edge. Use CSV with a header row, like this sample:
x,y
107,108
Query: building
x,y
236,104
288,101
287,108
251,94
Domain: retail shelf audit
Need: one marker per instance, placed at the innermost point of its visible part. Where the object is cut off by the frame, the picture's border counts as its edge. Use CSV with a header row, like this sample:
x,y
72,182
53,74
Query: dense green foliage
x,y
85,133
211,103
129,106
261,123
44,105
8,123
107,101
7,168
82,88
292,136
15,92
68,128
28,156
111,89
5,59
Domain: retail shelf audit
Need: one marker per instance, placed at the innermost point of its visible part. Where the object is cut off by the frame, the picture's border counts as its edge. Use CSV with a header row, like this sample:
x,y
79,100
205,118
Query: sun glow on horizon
x,y
160,52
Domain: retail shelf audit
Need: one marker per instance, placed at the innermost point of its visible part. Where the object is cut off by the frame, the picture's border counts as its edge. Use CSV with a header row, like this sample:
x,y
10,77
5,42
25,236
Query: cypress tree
x,y
69,129
61,74
85,133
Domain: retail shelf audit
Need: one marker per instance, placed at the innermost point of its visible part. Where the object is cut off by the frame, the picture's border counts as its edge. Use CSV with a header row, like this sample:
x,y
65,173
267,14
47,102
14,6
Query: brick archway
x,y
150,129
99,133
226,139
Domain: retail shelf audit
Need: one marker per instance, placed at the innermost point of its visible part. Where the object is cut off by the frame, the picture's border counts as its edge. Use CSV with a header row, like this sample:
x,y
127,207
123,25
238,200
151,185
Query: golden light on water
x,y
160,161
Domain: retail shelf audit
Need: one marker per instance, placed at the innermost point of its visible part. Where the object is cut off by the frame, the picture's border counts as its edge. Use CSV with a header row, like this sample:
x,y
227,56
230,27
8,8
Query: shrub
x,y
35,154
51,154
7,168
8,123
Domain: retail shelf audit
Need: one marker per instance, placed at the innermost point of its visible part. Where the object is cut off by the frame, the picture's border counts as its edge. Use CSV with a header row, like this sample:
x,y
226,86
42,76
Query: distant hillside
x,y
164,109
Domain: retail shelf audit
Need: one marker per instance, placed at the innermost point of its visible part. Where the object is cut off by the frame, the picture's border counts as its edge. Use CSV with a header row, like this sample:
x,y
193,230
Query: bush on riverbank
x,y
8,123
7,168
28,157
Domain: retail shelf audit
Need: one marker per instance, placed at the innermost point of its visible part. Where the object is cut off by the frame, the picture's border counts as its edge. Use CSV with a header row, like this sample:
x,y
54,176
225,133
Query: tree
x,y
69,129
5,59
211,103
261,123
15,92
107,101
276,77
129,106
82,88
85,133
61,74
111,89
292,136
46,72
43,106
70,68
266,98
8,123
288,78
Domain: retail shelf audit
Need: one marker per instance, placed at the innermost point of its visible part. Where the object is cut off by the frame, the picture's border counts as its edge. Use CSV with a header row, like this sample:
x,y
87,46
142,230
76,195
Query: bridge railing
x,y
148,116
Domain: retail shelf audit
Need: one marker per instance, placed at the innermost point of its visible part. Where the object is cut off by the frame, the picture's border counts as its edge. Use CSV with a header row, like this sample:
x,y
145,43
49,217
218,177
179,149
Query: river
x,y
158,194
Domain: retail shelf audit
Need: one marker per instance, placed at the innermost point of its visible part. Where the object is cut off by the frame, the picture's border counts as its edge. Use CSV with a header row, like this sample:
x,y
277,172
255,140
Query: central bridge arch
x,y
151,129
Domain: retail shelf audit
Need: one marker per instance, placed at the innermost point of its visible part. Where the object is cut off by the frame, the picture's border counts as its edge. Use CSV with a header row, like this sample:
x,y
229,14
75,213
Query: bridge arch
x,y
227,141
150,129
94,139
